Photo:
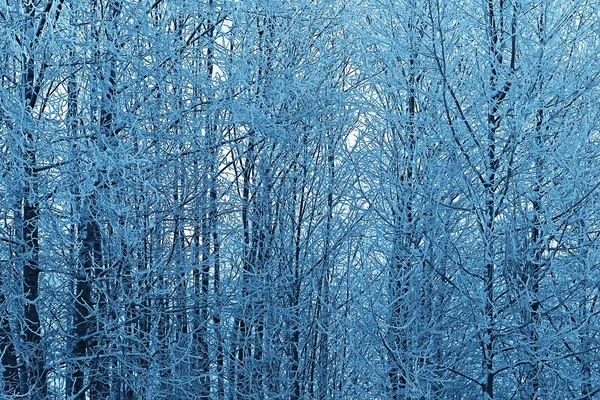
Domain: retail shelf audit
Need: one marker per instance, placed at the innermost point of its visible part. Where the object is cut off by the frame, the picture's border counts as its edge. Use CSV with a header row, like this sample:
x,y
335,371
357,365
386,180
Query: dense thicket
x,y
221,199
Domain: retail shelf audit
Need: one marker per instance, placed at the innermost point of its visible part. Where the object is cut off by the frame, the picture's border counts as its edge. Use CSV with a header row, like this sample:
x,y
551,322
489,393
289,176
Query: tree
x,y
247,200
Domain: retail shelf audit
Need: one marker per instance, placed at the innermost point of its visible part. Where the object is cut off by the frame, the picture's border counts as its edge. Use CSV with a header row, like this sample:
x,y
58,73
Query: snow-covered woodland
x,y
299,199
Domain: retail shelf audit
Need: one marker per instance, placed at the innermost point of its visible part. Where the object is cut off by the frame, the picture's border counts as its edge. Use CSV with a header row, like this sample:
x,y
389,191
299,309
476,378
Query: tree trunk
x,y
35,363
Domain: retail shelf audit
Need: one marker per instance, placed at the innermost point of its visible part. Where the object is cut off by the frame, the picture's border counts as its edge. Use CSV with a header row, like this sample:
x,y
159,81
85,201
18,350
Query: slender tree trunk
x,y
204,304
36,374
84,322
294,297
533,272
324,295
406,240
35,363
243,365
216,262
496,27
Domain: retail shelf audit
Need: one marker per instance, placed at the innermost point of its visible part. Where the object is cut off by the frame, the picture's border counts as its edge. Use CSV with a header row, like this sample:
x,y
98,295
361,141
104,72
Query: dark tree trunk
x,y
35,363
84,322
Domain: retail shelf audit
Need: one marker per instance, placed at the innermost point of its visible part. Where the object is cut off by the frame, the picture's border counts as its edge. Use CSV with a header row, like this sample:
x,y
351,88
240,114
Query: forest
x,y
299,199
